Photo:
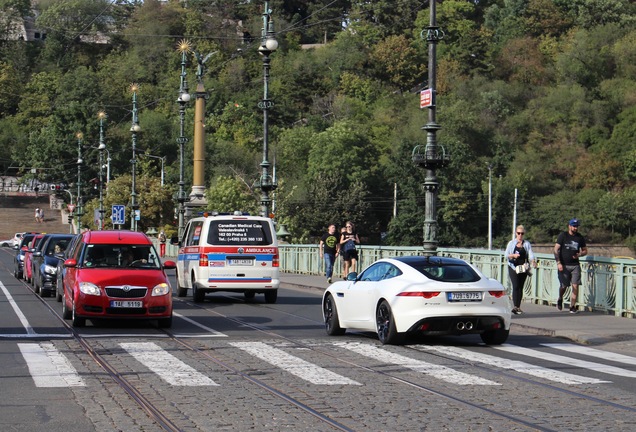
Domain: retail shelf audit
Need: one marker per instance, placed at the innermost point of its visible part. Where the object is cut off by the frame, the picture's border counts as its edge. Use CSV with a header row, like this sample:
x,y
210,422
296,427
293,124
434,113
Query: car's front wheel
x,y
76,320
165,322
385,324
495,337
330,312
66,312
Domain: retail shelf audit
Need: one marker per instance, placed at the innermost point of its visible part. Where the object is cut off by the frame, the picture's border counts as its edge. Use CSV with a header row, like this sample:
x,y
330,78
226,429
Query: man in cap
x,y
569,247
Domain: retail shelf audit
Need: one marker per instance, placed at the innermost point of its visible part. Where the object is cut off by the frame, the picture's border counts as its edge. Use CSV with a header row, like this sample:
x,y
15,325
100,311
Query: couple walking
x,y
332,245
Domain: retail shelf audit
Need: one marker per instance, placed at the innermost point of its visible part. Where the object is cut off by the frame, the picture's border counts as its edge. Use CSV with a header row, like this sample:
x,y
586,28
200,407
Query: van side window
x,y
194,233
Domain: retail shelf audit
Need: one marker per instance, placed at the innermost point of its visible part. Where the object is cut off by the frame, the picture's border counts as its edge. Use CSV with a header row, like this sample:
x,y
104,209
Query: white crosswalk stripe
x,y
437,371
568,361
503,363
49,367
294,365
592,352
168,367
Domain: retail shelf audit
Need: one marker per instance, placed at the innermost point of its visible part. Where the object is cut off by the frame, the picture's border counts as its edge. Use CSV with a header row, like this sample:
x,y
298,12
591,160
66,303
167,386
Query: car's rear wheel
x,y
385,324
332,323
271,296
495,337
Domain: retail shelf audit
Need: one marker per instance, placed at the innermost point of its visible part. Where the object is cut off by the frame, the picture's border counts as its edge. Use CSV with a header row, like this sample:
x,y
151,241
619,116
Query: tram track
x,y
165,423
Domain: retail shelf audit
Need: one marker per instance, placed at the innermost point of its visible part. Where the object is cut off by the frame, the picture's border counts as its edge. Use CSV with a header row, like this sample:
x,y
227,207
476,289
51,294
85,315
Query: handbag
x,y
523,268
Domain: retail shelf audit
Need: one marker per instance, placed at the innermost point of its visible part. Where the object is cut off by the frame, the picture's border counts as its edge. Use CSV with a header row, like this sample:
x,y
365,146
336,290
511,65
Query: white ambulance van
x,y
236,253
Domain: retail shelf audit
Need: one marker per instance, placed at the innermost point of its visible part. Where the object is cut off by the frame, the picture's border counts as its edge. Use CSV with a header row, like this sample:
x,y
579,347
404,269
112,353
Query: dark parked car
x,y
44,262
21,248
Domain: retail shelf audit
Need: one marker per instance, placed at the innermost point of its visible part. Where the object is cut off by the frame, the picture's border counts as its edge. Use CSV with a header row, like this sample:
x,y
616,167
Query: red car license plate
x,y
126,304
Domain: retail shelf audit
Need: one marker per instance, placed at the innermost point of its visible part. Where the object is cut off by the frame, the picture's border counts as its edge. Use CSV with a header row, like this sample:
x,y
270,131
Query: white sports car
x,y
419,294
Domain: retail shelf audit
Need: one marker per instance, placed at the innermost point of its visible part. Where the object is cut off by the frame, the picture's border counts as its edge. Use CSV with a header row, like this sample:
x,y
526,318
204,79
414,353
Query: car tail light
x,y
497,294
425,294
275,260
203,260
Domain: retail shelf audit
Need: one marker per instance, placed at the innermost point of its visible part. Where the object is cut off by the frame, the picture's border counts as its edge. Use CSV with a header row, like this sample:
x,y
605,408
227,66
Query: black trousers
x,y
518,281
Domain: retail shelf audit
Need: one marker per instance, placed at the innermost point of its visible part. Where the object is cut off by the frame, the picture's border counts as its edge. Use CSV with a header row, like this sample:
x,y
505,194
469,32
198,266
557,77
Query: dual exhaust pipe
x,y
468,325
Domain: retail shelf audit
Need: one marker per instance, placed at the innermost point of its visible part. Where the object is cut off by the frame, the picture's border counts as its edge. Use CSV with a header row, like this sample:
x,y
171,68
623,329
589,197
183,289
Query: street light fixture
x,y
268,45
78,213
102,146
184,97
134,129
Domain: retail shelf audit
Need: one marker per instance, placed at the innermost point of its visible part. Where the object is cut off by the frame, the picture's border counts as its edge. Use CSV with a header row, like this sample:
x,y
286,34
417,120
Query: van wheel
x,y
271,296
181,291
249,295
197,294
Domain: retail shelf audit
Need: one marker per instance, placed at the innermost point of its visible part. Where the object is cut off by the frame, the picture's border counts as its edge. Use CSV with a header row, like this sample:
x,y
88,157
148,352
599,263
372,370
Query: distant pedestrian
x,y
37,215
520,257
569,247
348,241
162,243
41,215
329,248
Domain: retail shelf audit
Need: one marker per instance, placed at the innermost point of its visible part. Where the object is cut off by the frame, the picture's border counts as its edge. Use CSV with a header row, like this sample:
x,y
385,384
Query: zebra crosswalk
x,y
50,367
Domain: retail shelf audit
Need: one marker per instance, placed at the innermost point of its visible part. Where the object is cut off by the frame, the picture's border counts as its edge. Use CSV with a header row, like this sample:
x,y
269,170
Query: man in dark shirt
x,y
569,247
329,248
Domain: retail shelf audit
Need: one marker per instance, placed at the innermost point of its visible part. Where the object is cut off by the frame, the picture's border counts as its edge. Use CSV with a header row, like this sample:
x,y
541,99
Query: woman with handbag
x,y
520,256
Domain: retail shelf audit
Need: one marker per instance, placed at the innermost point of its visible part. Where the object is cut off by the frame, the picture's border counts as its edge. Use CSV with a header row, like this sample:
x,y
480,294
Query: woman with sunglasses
x,y
348,240
520,256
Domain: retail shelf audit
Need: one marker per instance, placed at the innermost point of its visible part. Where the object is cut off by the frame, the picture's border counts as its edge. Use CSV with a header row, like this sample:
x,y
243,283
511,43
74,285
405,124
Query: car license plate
x,y
240,262
464,296
126,304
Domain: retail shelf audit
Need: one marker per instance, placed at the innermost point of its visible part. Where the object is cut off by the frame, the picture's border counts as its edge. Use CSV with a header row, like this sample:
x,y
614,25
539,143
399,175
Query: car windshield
x,y
121,256
447,273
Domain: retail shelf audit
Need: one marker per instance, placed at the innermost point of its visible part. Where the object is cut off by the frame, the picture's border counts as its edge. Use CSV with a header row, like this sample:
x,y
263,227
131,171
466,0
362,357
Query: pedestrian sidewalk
x,y
585,327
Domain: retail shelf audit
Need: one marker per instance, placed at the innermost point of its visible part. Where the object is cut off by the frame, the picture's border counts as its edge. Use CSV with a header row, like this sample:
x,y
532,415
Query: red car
x,y
28,270
116,274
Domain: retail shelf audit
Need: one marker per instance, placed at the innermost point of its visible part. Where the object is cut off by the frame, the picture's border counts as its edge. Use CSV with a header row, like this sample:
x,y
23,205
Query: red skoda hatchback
x,y
116,274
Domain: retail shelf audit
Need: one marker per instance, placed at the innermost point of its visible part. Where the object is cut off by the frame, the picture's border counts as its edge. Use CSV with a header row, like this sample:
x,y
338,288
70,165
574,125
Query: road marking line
x,y
436,371
294,365
49,367
567,361
211,330
168,367
593,352
18,312
503,363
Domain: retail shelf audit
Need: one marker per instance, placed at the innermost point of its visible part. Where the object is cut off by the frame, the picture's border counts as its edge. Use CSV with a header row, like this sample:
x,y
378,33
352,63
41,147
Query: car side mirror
x,y
71,262
174,240
37,253
169,265
352,276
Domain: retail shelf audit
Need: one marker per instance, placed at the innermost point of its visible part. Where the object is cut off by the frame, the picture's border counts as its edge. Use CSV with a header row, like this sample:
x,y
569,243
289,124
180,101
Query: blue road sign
x,y
119,215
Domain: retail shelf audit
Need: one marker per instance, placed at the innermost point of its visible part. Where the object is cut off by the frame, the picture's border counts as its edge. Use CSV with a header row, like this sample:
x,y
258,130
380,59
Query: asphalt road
x,y
228,364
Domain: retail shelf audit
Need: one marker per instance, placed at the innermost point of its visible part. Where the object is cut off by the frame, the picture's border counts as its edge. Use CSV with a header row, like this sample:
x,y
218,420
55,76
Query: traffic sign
x,y
119,214
70,207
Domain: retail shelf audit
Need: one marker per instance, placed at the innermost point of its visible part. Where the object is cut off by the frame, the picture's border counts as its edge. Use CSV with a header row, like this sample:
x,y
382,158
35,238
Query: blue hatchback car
x,y
45,262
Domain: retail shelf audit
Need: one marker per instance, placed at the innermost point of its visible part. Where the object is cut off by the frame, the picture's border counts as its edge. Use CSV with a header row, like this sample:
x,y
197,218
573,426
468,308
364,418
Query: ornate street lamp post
x,y
78,211
184,97
102,146
268,46
134,129
433,157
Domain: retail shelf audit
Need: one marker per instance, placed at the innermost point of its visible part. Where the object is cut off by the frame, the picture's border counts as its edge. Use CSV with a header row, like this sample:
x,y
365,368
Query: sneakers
x,y
329,280
517,311
574,310
560,304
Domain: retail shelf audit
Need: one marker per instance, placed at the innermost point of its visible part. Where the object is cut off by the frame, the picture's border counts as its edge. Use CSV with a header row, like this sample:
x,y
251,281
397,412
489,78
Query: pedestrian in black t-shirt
x,y
329,248
569,247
